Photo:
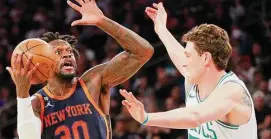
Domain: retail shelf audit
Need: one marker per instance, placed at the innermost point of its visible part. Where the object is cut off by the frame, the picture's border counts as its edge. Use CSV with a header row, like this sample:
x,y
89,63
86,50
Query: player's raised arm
x,y
218,104
137,50
174,48
28,122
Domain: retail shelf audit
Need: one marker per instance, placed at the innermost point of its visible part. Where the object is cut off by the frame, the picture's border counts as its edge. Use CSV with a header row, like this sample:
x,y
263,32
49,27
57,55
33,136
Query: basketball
x,y
42,53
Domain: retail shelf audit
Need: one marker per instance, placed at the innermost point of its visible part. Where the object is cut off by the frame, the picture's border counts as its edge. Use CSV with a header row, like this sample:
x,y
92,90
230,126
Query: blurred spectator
x,y
246,70
263,90
265,134
4,96
175,95
162,86
141,86
263,112
269,85
255,84
170,104
120,130
236,12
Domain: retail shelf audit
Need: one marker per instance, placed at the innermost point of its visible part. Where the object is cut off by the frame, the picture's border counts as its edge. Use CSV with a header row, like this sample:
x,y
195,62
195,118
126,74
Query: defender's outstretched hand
x,y
158,15
91,14
135,107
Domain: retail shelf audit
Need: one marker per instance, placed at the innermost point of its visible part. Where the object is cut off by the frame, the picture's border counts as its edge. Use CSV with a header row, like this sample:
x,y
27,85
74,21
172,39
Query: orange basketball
x,y
42,53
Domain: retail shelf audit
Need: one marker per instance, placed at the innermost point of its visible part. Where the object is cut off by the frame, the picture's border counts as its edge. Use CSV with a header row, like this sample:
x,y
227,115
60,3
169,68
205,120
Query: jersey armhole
x,y
231,126
89,97
244,88
41,109
91,100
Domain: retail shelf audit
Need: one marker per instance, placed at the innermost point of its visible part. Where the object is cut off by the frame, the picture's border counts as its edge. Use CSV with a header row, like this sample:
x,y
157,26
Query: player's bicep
x,y
219,103
94,71
122,67
36,105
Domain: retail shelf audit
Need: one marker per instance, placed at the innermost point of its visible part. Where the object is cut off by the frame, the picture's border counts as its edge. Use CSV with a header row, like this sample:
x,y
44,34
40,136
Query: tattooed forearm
x,y
120,68
128,39
246,100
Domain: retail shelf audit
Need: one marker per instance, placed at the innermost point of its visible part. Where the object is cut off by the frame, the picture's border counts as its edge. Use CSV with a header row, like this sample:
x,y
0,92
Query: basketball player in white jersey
x,y
218,104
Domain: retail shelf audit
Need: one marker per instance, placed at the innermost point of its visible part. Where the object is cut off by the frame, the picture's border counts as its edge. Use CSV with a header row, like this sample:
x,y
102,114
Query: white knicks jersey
x,y
217,129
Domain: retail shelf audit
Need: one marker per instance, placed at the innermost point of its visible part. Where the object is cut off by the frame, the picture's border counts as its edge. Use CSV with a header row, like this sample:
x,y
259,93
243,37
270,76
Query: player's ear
x,y
207,57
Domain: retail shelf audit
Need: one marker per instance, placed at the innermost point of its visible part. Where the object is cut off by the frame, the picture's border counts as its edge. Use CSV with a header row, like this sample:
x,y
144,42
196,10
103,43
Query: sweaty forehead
x,y
59,44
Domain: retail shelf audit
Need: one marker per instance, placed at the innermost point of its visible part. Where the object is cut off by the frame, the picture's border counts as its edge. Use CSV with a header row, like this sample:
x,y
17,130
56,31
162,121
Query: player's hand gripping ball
x,y
41,53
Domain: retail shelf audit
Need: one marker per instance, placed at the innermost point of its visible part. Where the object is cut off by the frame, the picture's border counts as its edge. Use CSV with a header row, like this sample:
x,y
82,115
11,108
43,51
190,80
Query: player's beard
x,y
66,77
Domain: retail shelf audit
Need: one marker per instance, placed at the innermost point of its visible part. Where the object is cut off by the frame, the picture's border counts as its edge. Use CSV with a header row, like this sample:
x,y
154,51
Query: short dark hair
x,y
51,36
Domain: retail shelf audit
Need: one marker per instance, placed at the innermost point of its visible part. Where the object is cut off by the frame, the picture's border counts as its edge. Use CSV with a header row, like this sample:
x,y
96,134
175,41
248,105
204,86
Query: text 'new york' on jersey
x,y
73,116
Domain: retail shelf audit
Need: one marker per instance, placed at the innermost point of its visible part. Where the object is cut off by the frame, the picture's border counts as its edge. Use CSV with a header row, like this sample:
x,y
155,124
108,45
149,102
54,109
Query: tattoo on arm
x,y
120,68
246,100
128,39
137,52
36,106
37,113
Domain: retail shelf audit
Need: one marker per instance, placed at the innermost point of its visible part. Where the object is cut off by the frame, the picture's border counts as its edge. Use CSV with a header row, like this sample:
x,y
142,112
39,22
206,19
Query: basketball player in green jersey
x,y
218,104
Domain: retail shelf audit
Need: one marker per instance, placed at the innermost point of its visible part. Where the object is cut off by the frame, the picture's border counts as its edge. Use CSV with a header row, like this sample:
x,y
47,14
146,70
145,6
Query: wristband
x,y
146,120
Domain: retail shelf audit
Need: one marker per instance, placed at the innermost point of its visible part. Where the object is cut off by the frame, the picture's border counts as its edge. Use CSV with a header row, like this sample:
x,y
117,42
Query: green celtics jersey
x,y
217,129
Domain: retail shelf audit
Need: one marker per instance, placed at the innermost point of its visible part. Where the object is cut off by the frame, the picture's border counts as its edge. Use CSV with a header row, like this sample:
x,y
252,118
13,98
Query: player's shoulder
x,y
232,81
37,103
232,90
231,85
35,99
93,73
230,76
38,97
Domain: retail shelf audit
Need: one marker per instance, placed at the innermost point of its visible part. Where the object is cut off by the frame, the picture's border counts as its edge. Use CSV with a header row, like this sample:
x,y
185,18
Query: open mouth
x,y
68,65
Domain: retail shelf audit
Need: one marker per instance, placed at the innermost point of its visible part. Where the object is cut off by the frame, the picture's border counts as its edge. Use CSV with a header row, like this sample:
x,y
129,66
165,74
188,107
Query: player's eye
x,y
57,52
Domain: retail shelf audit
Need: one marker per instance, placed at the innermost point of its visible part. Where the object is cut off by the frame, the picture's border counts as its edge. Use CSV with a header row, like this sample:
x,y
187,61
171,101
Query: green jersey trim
x,y
230,126
221,80
192,137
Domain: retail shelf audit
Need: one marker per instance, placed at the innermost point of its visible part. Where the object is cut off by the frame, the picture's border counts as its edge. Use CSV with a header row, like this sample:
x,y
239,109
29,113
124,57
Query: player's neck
x,y
59,88
208,82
